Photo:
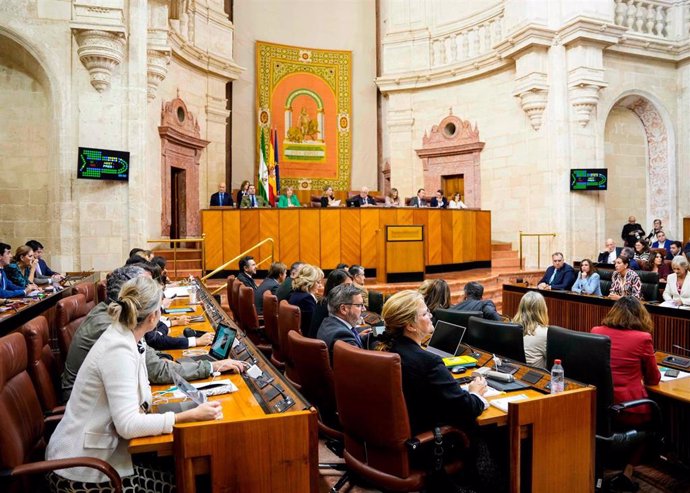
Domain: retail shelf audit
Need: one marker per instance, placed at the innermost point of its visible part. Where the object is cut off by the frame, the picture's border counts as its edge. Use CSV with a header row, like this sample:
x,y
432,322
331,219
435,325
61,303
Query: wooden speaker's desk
x,y
254,448
327,237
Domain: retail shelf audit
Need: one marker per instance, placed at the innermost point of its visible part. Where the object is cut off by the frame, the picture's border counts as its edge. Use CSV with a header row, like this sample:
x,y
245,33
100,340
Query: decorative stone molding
x,y
533,91
157,60
452,148
100,52
584,98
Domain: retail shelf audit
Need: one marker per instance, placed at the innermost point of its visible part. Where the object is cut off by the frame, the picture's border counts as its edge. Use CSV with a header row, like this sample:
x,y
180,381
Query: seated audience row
x,y
25,271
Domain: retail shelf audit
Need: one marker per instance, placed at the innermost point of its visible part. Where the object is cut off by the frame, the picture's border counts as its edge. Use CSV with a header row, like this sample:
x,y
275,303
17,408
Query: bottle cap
x,y
557,362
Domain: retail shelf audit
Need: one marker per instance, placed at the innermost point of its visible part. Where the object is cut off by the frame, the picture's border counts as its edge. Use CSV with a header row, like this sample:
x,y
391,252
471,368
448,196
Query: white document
x,y
232,387
179,291
490,391
502,404
664,378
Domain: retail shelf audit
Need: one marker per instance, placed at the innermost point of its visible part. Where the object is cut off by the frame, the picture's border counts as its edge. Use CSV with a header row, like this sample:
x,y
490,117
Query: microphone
x,y
473,352
681,348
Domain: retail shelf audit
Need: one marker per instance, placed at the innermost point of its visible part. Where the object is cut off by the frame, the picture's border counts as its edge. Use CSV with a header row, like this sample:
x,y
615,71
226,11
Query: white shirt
x,y
535,347
457,205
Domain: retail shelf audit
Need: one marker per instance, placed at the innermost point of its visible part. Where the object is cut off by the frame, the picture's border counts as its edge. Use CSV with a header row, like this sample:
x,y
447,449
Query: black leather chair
x,y
650,285
456,317
593,367
376,300
501,338
605,281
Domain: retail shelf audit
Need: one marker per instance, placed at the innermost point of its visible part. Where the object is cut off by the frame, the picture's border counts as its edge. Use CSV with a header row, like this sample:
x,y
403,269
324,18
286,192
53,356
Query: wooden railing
x,y
236,258
538,235
176,241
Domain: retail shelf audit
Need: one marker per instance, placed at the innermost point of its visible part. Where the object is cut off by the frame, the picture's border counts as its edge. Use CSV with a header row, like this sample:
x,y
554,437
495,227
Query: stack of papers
x,y
178,291
502,403
177,394
664,378
490,392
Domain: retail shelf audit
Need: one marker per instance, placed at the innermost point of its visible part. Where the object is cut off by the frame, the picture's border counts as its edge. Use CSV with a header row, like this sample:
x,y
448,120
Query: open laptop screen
x,y
447,337
222,343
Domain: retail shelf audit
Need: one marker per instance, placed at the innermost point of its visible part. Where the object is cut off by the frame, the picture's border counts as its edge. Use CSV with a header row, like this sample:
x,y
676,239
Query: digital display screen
x,y
588,179
103,164
222,343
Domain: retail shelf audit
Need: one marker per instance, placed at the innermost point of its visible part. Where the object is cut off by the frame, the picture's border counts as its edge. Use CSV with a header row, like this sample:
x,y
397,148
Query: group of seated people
x,y
25,271
625,280
248,199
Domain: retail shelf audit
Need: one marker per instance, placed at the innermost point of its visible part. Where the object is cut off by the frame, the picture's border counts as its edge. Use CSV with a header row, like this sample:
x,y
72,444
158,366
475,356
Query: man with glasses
x,y
559,276
345,308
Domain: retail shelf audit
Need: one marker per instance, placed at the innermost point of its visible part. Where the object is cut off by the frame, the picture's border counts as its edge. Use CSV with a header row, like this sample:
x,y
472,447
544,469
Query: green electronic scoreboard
x,y
103,164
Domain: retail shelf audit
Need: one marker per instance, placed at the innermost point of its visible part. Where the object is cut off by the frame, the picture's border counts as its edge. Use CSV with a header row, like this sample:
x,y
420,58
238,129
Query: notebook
x,y
445,342
194,395
220,347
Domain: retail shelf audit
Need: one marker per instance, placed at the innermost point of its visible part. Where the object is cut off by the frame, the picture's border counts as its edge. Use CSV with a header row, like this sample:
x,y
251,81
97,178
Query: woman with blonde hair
x,y
432,395
534,318
393,198
111,398
289,199
307,288
22,270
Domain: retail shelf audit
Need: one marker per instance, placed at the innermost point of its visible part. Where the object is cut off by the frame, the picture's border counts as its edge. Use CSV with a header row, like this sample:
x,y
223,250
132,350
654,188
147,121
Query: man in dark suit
x,y
221,197
345,307
632,232
473,302
247,271
285,288
420,199
276,275
252,200
559,276
363,199
42,269
439,201
611,251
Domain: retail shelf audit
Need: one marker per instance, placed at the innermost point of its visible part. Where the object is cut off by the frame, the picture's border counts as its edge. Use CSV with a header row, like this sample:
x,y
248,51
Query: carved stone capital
x,y
584,98
533,92
101,52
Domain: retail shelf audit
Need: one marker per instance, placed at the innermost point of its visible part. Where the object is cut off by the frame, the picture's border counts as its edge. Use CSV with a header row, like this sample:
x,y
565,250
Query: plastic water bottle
x,y
557,377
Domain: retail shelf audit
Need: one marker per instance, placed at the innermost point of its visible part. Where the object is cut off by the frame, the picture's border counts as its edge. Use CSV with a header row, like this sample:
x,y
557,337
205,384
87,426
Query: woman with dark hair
x,y
624,281
335,278
633,364
161,262
436,294
642,252
242,192
657,264
588,281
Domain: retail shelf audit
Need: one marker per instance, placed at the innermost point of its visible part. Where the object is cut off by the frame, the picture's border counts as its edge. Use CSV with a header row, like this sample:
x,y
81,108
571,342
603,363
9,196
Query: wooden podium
x,y
404,253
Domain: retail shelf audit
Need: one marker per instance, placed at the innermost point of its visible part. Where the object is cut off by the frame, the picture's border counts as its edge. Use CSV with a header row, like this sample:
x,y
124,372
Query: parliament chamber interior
x,y
344,246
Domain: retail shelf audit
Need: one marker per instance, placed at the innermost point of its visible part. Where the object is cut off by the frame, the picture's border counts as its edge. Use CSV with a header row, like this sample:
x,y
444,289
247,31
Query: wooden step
x,y
182,273
496,254
182,253
506,262
184,264
501,246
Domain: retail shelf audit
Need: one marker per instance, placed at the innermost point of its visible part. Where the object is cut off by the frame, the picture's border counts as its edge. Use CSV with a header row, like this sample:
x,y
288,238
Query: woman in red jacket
x,y
629,327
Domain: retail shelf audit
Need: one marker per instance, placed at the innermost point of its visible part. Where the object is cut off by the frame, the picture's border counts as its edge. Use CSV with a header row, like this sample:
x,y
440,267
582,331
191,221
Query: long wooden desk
x,y
551,437
254,448
327,237
582,312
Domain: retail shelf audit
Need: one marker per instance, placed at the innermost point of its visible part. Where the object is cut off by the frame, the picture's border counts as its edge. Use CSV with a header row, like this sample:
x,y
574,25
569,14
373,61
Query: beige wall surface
x,y
324,24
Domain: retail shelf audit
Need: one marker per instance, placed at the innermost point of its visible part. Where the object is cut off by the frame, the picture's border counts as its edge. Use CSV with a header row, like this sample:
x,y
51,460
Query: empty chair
x,y
70,312
376,300
289,318
650,285
605,281
101,290
249,320
229,281
88,289
22,432
456,317
234,299
271,329
500,338
43,367
373,414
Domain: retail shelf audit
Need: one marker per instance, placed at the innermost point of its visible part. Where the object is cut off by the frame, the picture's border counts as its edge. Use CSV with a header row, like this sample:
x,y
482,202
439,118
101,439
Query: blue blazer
x,y
564,279
8,289
307,304
45,270
589,285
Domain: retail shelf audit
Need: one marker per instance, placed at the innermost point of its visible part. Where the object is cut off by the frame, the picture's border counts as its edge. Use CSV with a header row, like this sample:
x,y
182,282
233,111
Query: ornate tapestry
x,y
304,98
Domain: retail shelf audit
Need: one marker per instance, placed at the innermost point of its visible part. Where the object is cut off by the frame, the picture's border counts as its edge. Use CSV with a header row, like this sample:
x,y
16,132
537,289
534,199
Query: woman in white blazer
x,y
111,397
677,285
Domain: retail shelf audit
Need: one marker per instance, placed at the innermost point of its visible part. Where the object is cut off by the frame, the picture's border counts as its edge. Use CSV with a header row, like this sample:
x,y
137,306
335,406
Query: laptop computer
x,y
220,347
195,396
445,342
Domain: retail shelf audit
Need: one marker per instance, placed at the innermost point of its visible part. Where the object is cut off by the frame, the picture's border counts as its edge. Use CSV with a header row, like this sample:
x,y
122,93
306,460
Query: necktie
x,y
356,334
253,201
221,199
553,276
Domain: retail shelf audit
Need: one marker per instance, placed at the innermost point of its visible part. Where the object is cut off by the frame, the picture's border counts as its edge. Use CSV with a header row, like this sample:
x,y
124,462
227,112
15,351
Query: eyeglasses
x,y
361,305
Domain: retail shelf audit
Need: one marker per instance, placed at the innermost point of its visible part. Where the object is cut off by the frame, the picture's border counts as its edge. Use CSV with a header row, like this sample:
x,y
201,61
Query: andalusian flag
x,y
272,190
263,169
275,161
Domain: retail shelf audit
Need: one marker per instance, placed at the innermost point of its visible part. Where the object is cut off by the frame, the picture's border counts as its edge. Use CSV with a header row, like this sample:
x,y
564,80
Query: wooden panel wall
x,y
326,237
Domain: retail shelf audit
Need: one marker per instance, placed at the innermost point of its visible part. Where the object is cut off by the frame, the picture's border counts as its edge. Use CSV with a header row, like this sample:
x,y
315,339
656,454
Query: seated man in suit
x,y
674,250
42,269
276,275
247,271
420,199
439,202
363,199
8,289
473,302
662,242
345,307
630,254
252,200
160,370
559,276
611,251
221,197
285,289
